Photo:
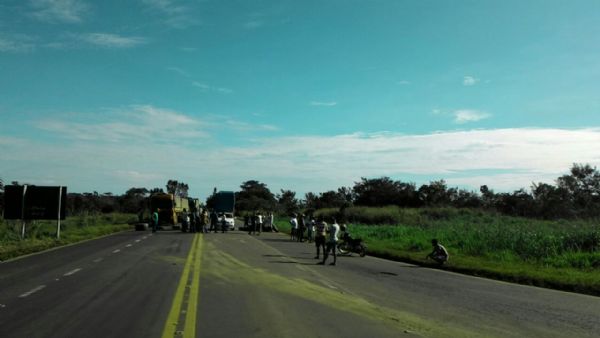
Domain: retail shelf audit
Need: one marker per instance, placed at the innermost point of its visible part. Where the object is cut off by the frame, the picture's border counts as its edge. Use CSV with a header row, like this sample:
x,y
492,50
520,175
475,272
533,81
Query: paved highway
x,y
170,284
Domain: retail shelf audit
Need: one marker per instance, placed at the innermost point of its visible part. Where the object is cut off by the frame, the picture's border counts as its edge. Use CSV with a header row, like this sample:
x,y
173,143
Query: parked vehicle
x,y
224,205
348,245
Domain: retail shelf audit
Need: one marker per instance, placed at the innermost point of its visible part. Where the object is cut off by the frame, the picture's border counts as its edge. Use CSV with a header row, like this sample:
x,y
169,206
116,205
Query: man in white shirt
x,y
332,239
293,227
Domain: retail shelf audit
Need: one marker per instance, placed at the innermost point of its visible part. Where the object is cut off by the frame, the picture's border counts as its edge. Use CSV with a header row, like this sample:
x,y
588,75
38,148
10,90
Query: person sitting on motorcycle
x,y
344,233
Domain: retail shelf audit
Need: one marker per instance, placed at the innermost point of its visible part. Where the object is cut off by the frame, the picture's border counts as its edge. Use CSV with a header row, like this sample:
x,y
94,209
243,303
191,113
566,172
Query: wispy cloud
x,y
504,159
468,115
245,126
16,43
175,14
206,88
134,124
469,81
59,11
179,71
403,82
112,40
253,24
323,104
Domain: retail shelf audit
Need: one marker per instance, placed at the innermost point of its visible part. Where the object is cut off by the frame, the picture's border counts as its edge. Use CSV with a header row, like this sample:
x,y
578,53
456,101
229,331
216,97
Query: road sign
x,y
35,202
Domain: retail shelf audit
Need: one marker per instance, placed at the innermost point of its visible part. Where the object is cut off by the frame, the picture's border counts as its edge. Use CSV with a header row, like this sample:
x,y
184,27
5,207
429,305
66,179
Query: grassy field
x,y
41,235
558,254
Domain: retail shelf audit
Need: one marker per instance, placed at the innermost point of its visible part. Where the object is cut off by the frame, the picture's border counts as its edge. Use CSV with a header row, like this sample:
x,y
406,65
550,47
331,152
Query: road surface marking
x,y
72,272
181,321
128,245
2,306
116,251
98,260
137,240
30,292
144,237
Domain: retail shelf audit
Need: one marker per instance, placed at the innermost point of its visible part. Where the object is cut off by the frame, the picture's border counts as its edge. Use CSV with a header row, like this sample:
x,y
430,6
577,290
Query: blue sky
x,y
301,95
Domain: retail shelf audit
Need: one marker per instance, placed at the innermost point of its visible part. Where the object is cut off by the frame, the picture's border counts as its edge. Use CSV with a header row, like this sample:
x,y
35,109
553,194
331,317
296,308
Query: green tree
x,y
287,201
254,196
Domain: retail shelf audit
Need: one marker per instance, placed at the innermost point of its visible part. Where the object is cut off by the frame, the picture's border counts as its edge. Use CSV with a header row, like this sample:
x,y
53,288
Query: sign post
x,y
59,209
23,212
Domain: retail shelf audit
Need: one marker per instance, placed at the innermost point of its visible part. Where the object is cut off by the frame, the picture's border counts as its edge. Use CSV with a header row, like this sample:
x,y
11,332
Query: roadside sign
x,y
35,202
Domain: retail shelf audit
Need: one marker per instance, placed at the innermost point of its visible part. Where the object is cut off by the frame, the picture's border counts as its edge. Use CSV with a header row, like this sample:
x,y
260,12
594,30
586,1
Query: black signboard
x,y
13,201
39,202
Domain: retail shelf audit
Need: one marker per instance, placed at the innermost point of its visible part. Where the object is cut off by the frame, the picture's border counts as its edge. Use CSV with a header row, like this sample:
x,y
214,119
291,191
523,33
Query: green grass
x,y
41,235
558,254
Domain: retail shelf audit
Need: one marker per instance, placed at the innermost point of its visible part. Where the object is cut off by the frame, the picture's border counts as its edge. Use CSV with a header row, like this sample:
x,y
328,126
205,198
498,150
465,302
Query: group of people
x,y
257,223
199,221
327,236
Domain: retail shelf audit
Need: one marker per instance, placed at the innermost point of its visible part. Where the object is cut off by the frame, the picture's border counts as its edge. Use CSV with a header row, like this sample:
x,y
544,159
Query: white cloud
x,y
253,24
206,88
469,81
175,15
59,11
323,104
468,115
136,124
112,40
179,71
17,43
403,82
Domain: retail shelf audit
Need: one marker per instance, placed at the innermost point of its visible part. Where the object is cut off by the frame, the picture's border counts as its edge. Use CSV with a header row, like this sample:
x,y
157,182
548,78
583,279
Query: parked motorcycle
x,y
348,245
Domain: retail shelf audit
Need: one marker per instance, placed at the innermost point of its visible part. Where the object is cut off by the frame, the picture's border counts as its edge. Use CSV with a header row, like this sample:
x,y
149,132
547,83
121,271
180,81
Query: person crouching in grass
x,y
439,253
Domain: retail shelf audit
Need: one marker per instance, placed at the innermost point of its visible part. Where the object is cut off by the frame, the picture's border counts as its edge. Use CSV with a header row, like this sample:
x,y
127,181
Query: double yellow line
x,y
181,321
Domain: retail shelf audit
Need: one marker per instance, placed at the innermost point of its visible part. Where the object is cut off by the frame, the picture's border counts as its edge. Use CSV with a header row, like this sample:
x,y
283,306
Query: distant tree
x,y
385,191
465,199
331,199
133,201
177,188
254,196
583,188
155,191
435,194
287,201
552,202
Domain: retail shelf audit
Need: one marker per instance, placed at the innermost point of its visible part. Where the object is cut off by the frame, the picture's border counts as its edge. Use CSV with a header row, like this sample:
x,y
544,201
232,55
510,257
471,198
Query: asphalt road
x,y
171,284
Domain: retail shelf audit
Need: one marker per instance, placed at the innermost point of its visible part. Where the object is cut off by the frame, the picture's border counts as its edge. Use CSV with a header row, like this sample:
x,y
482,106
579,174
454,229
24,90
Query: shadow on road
x,y
291,262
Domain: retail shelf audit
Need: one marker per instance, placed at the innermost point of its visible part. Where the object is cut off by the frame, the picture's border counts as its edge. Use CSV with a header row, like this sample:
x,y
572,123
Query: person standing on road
x,y
310,229
252,228
439,253
259,221
293,227
320,237
272,222
334,232
155,220
204,221
214,221
300,234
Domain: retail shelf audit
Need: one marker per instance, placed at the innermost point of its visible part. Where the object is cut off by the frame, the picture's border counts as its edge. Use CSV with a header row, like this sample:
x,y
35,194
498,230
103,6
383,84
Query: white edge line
x,y
116,251
32,291
72,272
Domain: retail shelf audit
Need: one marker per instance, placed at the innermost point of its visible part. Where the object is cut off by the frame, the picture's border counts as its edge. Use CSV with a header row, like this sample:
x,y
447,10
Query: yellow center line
x,y
190,280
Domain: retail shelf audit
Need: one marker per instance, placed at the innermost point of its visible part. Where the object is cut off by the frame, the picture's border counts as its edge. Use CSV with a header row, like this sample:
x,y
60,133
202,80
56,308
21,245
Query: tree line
x,y
574,195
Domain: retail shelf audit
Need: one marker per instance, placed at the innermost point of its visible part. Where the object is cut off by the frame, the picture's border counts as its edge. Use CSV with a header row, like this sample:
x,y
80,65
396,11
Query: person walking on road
x,y
334,232
272,223
155,220
320,237
439,253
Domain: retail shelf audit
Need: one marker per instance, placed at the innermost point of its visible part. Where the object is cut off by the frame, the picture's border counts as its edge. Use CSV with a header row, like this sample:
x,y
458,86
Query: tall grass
x,y
477,233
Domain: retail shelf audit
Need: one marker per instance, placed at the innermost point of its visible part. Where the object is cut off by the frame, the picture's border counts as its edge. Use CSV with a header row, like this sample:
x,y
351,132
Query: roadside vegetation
x,y
562,254
41,235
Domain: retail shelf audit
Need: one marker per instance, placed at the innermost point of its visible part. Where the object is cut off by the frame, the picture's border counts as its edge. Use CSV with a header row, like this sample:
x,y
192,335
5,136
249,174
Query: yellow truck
x,y
170,208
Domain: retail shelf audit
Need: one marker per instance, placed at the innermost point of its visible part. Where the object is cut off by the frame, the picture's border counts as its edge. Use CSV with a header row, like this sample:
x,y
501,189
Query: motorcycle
x,y
348,245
